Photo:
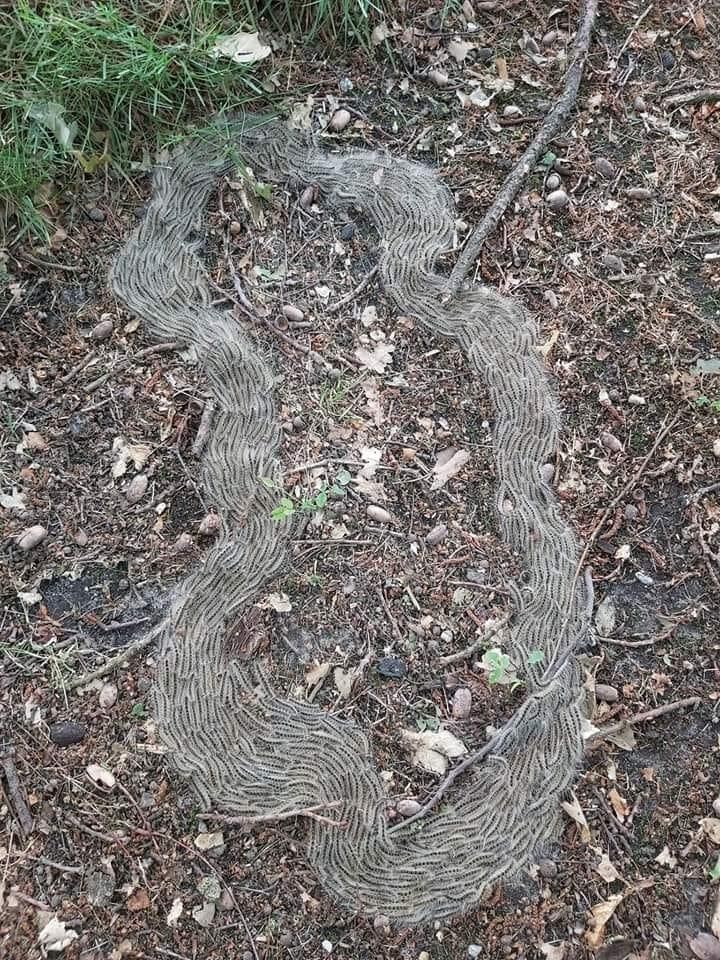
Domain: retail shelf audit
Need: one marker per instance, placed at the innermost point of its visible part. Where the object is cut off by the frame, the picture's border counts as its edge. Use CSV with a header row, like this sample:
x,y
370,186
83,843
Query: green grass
x,y
89,84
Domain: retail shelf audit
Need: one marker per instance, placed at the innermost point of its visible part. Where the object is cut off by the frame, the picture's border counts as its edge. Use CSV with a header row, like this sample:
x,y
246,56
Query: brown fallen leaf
x,y
599,916
138,901
449,463
619,805
573,809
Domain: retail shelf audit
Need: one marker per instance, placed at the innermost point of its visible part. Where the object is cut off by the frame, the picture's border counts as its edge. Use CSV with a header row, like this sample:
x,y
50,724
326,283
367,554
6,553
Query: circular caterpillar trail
x,y
245,749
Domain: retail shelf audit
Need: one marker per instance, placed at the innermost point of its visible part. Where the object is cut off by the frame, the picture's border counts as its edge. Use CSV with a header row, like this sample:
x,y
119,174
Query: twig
x,y
703,491
549,129
115,661
124,364
311,812
113,627
354,293
388,613
647,715
628,643
44,862
15,793
203,428
615,823
634,27
49,264
475,646
74,371
692,96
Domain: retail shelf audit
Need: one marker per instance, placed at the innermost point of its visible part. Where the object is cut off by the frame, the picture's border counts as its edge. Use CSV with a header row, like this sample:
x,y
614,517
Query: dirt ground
x,y
623,273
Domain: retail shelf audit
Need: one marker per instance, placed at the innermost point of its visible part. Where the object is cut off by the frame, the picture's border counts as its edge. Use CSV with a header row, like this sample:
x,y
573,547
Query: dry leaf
x,y
666,859
432,749
371,457
372,489
449,463
553,951
100,776
376,359
459,49
205,914
279,602
124,453
138,901
619,805
705,946
711,829
54,936
317,674
175,912
208,841
606,869
573,809
240,47
599,916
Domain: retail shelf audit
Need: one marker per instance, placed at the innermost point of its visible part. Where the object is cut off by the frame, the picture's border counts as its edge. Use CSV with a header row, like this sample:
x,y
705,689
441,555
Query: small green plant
x,y
500,668
284,510
715,872
706,402
138,711
287,506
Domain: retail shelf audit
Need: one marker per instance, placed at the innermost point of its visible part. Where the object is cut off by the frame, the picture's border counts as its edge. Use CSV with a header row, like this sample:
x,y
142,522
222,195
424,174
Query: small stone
x,y
210,841
327,946
298,424
293,314
474,950
716,447
549,38
716,805
96,214
551,299
102,330
407,807
226,901
512,110
135,490
631,512
612,264
183,543
644,578
424,955
31,537
210,525
235,228
340,119
346,85
392,667
547,868
66,732
562,167
476,575
604,168
667,59
606,693
636,400
638,193
553,182
204,915
610,442
436,535
547,472
381,924
557,200
108,695
35,441
81,538
347,231
461,703
378,514
439,78
639,105
307,197
209,887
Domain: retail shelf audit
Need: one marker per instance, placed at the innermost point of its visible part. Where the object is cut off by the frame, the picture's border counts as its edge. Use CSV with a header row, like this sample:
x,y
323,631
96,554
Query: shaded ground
x,y
627,340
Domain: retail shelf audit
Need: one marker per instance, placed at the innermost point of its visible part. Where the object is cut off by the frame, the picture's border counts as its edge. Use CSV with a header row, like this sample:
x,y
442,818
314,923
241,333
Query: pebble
x,y
716,805
340,119
96,214
604,168
557,200
636,400
606,693
102,330
547,868
135,490
610,442
235,228
31,537
476,575
307,198
549,38
631,512
716,447
474,950
293,314
446,636
461,703
639,105
226,901
424,955
436,535
392,667
667,59
512,110
108,696
638,193
547,472
209,525
439,78
183,543
378,514
553,182
381,924
644,578
66,732
614,265
35,441
407,807
298,423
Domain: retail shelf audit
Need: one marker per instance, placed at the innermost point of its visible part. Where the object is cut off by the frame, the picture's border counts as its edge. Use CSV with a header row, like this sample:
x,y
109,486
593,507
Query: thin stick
x,y
15,792
647,715
475,646
115,661
124,364
113,627
49,264
692,96
354,293
549,129
74,371
311,812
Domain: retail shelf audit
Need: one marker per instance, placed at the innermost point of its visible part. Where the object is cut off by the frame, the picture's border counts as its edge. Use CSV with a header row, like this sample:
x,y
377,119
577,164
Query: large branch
x,y
549,129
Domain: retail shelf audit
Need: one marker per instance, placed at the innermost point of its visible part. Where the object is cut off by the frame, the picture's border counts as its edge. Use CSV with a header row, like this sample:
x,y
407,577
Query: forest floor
x,y
622,271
